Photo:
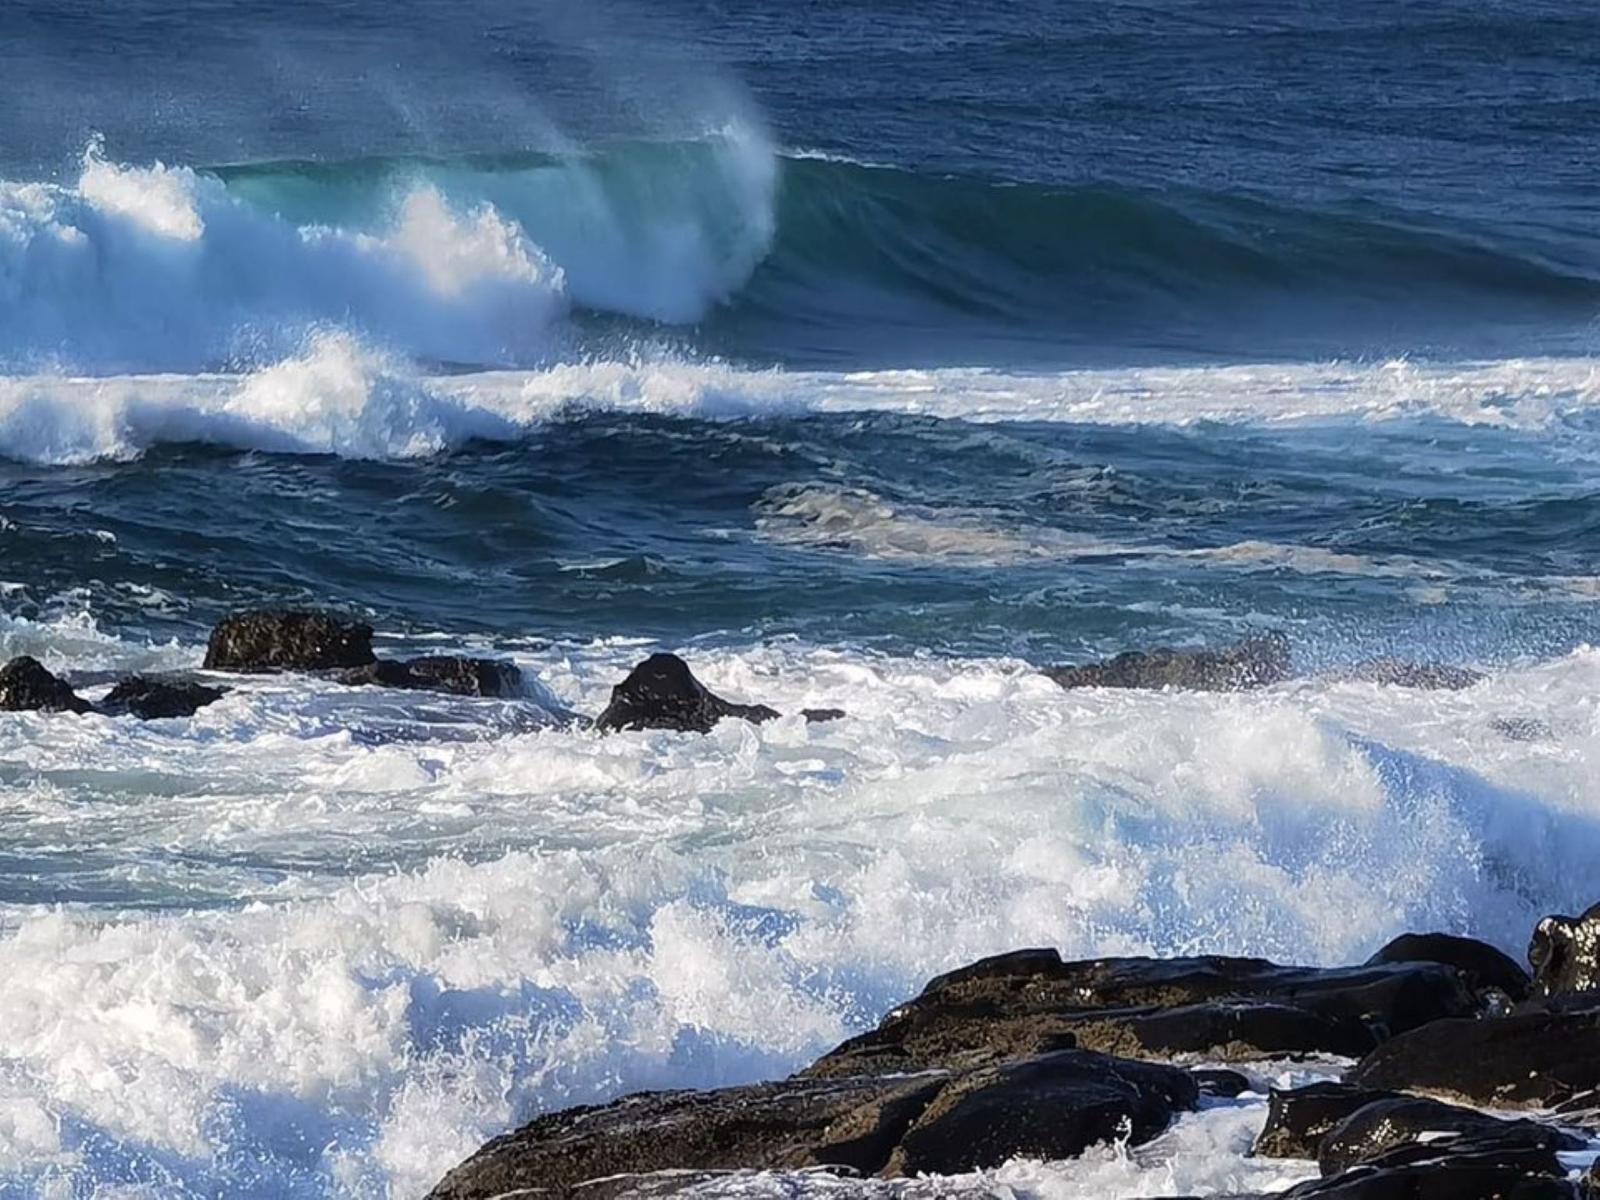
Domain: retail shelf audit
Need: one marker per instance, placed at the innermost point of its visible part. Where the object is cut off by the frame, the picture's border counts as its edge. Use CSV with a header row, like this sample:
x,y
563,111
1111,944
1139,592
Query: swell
x,y
718,246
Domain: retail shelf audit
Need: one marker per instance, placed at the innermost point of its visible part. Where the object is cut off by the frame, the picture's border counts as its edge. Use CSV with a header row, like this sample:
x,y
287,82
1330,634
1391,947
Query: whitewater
x,y
868,363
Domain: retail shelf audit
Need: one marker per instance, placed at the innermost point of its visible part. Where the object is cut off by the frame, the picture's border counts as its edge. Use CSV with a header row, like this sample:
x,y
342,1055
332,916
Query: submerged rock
x,y
1251,663
451,674
25,686
1052,1106
288,640
152,699
1400,672
1031,1001
1527,1060
1481,964
1565,953
662,693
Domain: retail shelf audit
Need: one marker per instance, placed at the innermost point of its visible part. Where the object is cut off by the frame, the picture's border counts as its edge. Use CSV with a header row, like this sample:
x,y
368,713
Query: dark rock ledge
x,y
1024,1054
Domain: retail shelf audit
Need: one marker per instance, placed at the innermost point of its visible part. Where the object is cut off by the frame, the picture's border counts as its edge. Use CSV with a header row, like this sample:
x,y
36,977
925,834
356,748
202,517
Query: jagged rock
x,y
1299,1118
25,686
662,693
1254,662
1031,1001
1053,1106
152,699
451,674
1403,1130
1481,964
1399,672
1565,953
285,640
1527,1060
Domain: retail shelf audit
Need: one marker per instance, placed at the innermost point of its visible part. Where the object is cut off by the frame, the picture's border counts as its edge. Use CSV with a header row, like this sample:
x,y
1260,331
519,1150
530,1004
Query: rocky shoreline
x,y
1470,1078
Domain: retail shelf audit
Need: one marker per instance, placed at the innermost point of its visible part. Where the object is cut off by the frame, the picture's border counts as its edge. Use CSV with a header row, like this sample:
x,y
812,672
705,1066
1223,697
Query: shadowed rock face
x,y
1528,1060
1565,953
155,699
662,693
1447,1177
1031,1001
285,640
1254,662
446,673
1481,964
25,686
1053,1106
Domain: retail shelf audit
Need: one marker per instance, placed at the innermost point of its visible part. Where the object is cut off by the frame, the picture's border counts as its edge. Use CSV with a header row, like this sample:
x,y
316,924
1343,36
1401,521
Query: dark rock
x,y
1565,953
1403,1130
281,640
816,716
152,699
661,693
1053,1106
1468,1177
1254,662
1527,1060
441,673
1399,672
1481,964
1299,1118
25,686
1030,1001
1522,729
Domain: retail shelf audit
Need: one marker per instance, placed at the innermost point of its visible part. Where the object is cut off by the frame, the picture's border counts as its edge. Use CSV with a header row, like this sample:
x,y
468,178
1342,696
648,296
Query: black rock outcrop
x,y
288,640
1565,953
451,674
662,693
1483,966
1251,663
25,686
151,699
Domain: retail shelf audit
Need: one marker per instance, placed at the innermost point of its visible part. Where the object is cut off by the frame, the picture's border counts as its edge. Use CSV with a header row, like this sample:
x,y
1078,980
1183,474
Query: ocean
x,y
869,356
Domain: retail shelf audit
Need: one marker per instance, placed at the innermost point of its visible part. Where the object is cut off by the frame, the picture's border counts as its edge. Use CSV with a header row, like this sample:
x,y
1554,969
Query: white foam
x,y
386,408
438,937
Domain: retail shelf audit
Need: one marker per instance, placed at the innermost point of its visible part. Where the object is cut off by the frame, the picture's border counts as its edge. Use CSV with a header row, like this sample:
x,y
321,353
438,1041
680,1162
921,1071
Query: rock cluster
x,y
1024,1054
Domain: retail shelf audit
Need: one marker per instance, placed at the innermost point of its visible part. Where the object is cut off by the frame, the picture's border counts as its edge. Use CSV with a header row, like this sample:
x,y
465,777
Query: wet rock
x,y
1052,1106
285,640
1466,1177
1221,1082
1403,1130
1399,672
662,693
1522,729
817,716
1254,662
1299,1118
152,699
1565,953
451,674
1031,1001
1527,1060
25,686
1480,964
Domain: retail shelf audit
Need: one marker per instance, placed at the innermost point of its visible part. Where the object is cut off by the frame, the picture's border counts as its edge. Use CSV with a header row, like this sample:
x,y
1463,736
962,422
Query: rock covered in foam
x,y
945,1122
1565,953
288,640
452,674
662,693
151,699
26,686
1251,663
1400,672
